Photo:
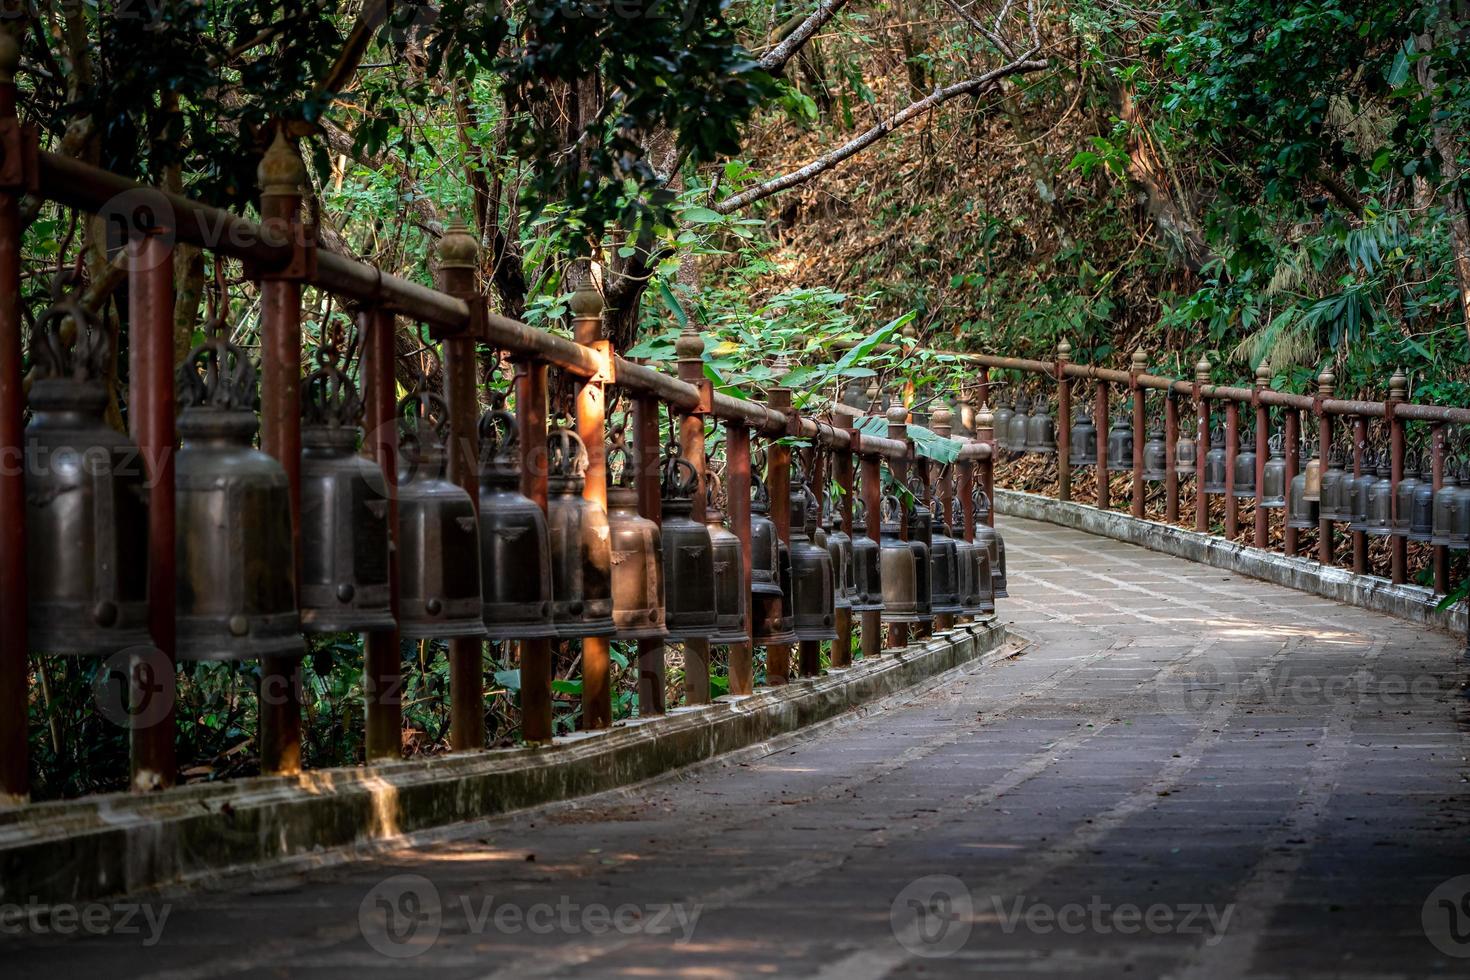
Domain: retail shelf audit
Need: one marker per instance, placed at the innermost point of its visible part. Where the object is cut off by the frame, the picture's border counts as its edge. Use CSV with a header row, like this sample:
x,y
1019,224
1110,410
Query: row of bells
x,y
498,568
1368,501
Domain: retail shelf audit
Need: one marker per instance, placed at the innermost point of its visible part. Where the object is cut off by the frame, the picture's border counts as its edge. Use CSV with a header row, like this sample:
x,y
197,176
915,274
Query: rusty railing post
x,y
591,395
737,491
778,482
1232,450
985,432
536,662
1437,441
1064,423
382,666
690,350
942,423
1360,538
842,475
965,486
1324,439
652,677
14,660
898,428
1140,427
1201,444
1263,426
282,178
872,487
1171,461
1104,491
1293,449
1398,392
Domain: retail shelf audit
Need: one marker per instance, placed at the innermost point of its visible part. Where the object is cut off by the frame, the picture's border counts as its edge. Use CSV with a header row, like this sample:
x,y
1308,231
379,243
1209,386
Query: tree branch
x,y
775,59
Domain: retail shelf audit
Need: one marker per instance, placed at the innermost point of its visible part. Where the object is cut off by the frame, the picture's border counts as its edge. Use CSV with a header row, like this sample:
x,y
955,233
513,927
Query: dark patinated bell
x,y
1041,431
1001,424
86,497
1155,456
1083,450
1185,456
731,600
438,532
1445,497
965,586
1245,467
1019,426
1273,475
995,546
1215,463
1421,514
1301,511
689,559
1333,504
581,546
515,543
811,572
921,531
866,569
1459,539
1404,496
1380,500
344,511
1361,486
981,502
899,569
770,607
637,553
236,586
944,566
1120,446
839,546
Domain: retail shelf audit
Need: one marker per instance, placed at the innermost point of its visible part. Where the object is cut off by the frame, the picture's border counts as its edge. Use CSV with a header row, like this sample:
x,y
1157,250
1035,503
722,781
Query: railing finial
x,y
1064,350
1263,376
458,248
1140,361
1398,386
1325,381
281,171
1202,371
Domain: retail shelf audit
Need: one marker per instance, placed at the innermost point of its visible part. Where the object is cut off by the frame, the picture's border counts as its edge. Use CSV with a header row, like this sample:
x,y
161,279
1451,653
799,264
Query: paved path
x,y
1187,774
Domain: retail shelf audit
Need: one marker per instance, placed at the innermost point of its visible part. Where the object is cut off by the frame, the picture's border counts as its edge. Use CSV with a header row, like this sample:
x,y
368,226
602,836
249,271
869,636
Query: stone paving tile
x,y
1174,739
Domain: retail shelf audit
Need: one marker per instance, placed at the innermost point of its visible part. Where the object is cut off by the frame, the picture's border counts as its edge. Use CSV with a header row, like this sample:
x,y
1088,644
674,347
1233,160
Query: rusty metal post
x,y
651,670
898,633
536,662
872,488
1232,449
1437,440
1360,538
690,350
1201,444
1398,392
1263,426
983,385
842,475
985,432
586,304
1324,440
778,481
459,263
382,668
737,490
282,178
1171,462
1140,425
1064,424
942,422
14,662
1104,491
1293,450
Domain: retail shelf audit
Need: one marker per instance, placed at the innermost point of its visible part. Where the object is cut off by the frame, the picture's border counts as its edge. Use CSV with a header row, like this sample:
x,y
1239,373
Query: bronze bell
x,y
1333,506
981,505
921,531
899,568
438,532
1215,463
866,569
1041,431
637,553
1421,519
1273,475
1245,467
1404,496
980,595
1083,451
581,545
1445,502
689,558
515,543
1120,446
944,566
1361,486
995,547
1313,485
236,587
770,606
965,585
839,545
1301,510
86,498
1380,500
1001,425
811,572
344,511
1460,520
1155,456
731,601
1186,455
1019,426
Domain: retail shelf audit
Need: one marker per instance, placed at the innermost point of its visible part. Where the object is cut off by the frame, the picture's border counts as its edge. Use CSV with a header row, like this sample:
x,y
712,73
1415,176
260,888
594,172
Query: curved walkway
x,y
1186,774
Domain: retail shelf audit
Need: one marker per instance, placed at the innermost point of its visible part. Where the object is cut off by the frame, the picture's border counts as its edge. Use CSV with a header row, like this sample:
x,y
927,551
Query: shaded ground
x,y
1187,774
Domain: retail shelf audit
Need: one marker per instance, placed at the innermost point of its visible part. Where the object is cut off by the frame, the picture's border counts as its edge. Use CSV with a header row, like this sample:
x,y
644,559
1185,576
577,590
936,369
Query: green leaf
x,y
509,679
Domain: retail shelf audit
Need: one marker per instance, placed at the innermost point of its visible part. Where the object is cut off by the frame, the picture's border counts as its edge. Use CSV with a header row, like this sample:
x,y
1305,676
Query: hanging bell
x,y
86,497
1186,456
1313,483
1421,519
689,558
731,600
1301,510
344,511
1215,463
1460,521
921,531
515,543
1083,451
1359,490
994,544
1273,475
1404,496
1041,431
1245,467
866,572
965,585
236,586
1001,424
1333,504
944,566
1445,501
438,531
1120,446
899,569
637,555
1155,456
1380,500
770,606
581,545
980,501
839,545
811,571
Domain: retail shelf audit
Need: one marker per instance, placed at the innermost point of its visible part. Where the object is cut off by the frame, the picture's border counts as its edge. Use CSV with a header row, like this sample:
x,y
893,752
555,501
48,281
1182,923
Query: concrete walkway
x,y
1186,774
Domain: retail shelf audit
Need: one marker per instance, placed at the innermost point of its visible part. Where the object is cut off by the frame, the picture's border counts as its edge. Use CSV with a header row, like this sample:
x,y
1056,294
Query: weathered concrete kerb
x,y
1412,602
120,843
